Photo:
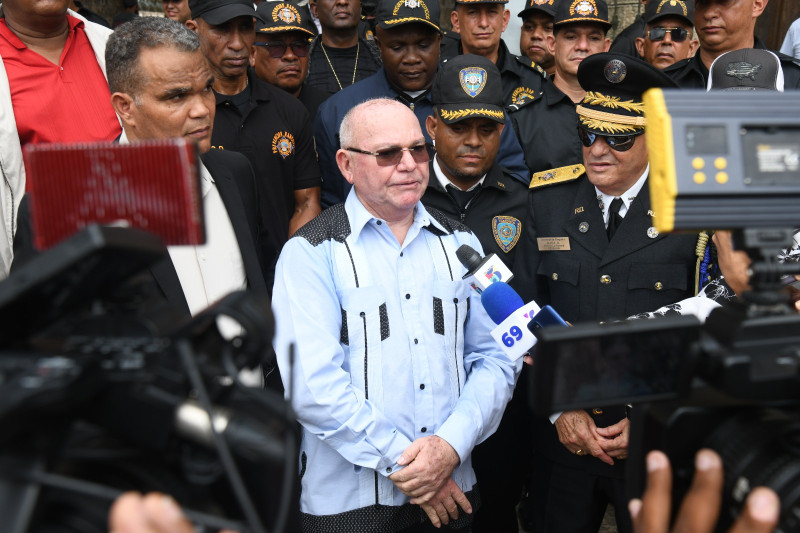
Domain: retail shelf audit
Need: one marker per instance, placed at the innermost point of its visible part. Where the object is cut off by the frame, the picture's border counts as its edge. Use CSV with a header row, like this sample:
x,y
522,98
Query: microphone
x,y
482,271
506,308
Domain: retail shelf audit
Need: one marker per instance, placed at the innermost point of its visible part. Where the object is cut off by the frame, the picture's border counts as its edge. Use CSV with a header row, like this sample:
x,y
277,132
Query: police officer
x,y
481,25
468,185
599,257
545,121
537,24
668,36
724,26
407,34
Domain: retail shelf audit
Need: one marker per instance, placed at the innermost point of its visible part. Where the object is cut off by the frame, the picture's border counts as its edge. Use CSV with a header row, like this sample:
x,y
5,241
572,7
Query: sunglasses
x,y
677,34
620,143
422,153
276,49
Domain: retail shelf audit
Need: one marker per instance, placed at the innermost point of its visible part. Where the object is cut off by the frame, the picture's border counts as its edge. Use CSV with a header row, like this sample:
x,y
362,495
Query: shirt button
x,y
658,286
379,222
416,341
408,296
455,300
388,469
605,279
363,314
421,386
424,429
401,254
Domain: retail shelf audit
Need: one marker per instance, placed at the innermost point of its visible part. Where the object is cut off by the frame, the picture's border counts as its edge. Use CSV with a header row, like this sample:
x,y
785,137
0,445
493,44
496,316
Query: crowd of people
x,y
344,160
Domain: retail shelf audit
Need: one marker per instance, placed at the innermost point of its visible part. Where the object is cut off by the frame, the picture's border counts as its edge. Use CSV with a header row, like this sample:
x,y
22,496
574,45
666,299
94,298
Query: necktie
x,y
462,198
614,219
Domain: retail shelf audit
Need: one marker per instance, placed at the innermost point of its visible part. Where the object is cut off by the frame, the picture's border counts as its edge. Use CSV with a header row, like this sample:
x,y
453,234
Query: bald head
x,y
391,183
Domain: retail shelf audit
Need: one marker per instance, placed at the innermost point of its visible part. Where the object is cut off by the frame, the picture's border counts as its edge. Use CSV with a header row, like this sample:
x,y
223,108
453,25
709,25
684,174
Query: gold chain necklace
x,y
355,66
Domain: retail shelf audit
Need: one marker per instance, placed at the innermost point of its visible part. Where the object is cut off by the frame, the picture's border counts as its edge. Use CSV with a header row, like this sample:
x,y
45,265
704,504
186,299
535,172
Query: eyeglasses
x,y
620,143
677,34
276,49
422,153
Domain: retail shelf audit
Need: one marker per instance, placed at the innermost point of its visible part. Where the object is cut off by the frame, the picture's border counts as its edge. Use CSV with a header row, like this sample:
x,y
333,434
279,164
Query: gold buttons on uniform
x,y
605,279
658,285
555,276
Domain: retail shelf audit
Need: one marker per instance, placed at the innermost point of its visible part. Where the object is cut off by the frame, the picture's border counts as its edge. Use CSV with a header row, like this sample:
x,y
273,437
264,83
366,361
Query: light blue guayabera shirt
x,y
391,346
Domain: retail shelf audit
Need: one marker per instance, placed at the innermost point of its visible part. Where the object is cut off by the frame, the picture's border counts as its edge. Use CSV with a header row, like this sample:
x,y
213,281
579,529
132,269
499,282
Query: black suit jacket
x,y
600,280
236,184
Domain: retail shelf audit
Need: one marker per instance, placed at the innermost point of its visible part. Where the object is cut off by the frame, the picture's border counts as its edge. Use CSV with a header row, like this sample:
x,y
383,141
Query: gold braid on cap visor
x,y
610,122
463,113
612,102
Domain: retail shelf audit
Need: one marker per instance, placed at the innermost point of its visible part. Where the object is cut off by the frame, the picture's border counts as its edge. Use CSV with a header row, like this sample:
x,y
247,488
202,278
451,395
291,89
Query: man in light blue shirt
x,y
396,377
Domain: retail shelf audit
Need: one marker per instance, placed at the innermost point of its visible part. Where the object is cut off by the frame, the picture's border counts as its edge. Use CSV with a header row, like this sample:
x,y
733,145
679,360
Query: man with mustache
x,y
280,52
723,26
545,121
468,185
668,35
266,124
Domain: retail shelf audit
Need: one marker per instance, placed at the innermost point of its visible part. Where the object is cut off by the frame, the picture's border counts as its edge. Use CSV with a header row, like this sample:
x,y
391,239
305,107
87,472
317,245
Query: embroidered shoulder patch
x,y
283,143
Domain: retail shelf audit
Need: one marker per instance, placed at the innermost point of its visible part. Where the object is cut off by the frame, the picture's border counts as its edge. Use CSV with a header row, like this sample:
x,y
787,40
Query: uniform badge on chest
x,y
506,232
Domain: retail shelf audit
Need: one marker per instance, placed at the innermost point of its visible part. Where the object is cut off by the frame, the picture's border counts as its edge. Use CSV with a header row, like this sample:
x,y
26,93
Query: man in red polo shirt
x,y
52,89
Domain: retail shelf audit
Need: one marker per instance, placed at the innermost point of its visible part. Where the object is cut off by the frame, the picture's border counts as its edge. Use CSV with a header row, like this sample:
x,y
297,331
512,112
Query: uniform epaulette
x,y
556,175
531,65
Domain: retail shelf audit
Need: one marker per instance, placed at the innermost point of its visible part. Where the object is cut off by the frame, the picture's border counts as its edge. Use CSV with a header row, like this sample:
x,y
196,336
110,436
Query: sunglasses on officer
x,y
422,153
276,49
620,143
676,34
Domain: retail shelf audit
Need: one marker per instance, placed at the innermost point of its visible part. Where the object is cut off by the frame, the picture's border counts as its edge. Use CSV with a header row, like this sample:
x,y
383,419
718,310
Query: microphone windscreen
x,y
469,257
500,300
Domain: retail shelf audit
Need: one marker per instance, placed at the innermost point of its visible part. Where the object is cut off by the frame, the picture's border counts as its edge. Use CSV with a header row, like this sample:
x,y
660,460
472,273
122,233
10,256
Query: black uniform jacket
x,y
497,214
692,73
547,129
597,280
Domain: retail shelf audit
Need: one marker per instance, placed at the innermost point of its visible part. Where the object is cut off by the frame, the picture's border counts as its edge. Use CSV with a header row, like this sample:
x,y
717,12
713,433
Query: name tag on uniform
x,y
549,244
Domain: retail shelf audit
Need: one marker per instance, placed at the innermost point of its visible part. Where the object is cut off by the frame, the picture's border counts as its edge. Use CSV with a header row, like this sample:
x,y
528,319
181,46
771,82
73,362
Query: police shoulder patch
x,y
556,175
531,65
506,232
283,144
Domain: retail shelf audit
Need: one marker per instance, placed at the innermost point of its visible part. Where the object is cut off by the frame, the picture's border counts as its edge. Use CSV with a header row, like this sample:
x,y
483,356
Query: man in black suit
x,y
598,257
161,88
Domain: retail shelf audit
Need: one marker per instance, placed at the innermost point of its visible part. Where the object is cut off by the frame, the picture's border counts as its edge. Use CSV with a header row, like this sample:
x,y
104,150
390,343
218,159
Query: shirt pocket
x,y
365,324
562,273
651,286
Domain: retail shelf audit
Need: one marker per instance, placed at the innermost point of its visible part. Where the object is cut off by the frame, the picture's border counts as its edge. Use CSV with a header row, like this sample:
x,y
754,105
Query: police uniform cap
x,y
466,2
468,86
548,7
217,12
748,69
578,11
278,17
393,13
657,9
614,85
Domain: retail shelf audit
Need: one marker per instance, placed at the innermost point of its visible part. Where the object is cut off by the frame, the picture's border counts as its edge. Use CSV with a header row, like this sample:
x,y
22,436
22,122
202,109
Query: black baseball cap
x,y
548,7
748,69
465,2
277,17
663,8
217,12
577,11
468,86
393,13
614,85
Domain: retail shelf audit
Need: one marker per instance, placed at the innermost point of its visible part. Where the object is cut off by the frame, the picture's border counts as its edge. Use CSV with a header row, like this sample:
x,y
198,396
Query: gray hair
x,y
347,128
125,46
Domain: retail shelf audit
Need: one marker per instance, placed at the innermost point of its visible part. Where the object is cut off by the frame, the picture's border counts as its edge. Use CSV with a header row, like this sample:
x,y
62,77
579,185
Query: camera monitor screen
x,y
595,365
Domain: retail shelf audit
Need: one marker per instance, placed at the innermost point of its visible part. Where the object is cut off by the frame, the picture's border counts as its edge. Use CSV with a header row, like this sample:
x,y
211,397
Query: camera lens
x,y
760,447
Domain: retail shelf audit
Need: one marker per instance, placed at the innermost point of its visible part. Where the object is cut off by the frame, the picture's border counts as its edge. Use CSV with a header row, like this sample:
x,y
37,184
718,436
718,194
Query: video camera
x,y
724,161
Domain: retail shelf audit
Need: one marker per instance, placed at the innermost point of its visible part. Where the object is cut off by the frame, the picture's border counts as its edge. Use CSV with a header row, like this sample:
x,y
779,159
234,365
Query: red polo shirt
x,y
68,102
